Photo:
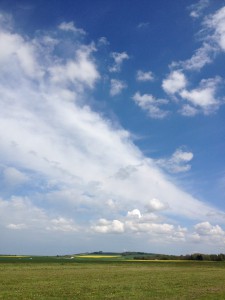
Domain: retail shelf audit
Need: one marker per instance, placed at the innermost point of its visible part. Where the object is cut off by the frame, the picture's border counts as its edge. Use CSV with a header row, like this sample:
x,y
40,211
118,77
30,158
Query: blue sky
x,y
112,126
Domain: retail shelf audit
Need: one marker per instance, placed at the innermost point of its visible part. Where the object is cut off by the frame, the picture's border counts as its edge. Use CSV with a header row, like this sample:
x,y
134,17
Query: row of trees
x,y
195,256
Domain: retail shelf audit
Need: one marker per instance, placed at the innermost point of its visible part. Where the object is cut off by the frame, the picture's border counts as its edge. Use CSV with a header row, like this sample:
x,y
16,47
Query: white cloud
x,y
204,97
17,51
116,87
103,41
61,224
14,177
188,110
150,228
118,58
208,234
197,8
69,26
216,23
81,71
135,213
6,21
16,226
144,76
203,233
143,25
135,223
202,56
148,103
178,162
156,205
125,172
212,37
206,229
174,83
20,213
105,226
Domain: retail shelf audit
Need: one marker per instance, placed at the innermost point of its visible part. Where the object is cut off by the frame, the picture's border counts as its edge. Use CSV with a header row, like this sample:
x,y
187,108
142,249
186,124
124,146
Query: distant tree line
x,y
154,256
195,256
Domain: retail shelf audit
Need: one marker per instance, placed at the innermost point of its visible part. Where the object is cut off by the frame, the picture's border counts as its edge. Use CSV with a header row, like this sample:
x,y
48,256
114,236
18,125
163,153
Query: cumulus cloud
x,y
135,213
156,205
188,110
162,232
116,86
69,26
144,76
175,82
178,162
148,103
206,233
105,226
118,58
203,97
205,228
136,223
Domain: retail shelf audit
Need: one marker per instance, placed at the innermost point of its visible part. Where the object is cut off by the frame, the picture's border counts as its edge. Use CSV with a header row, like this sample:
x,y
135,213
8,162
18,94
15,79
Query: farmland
x,y
109,277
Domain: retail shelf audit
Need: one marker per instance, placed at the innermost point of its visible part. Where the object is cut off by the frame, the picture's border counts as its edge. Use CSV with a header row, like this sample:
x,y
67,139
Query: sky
x,y
112,126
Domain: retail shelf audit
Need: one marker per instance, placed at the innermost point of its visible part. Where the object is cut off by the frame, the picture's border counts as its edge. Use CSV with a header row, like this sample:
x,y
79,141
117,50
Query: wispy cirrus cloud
x,y
212,39
202,56
197,9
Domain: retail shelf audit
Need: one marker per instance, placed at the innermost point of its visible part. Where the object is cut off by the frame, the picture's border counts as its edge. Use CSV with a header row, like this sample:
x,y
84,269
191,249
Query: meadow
x,y
105,277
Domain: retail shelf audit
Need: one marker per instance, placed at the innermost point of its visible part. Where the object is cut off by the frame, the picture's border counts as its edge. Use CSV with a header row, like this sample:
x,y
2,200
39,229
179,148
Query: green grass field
x,y
109,278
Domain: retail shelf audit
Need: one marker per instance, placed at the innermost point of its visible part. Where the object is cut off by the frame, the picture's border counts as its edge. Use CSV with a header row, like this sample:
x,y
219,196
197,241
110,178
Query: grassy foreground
x,y
95,279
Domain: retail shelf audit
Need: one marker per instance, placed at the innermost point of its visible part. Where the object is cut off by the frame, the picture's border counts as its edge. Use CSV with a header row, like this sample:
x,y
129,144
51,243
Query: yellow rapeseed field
x,y
98,256
14,256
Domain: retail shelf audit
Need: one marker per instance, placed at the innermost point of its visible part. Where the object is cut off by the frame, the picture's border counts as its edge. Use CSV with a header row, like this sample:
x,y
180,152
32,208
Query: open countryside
x,y
101,276
112,126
